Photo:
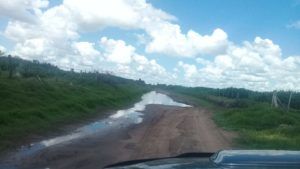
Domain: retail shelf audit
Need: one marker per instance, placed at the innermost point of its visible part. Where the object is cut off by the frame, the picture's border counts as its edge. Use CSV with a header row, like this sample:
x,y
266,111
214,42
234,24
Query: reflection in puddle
x,y
149,98
121,118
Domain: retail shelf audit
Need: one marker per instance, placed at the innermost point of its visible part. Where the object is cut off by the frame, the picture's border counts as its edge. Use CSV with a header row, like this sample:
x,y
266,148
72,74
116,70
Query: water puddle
x,y
121,118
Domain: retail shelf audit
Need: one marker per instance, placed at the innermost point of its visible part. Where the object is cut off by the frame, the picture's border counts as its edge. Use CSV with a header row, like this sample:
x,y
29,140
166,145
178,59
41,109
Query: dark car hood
x,y
262,159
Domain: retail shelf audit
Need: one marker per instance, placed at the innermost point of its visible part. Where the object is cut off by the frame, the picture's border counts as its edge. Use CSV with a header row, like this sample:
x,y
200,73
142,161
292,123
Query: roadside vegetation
x,y
38,97
250,114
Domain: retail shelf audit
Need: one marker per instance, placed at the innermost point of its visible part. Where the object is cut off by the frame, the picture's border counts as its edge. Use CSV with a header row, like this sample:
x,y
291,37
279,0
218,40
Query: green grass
x,y
262,127
29,106
258,125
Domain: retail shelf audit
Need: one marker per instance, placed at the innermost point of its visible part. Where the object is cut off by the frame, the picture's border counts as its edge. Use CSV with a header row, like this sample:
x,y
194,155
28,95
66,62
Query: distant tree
x,y
1,54
10,66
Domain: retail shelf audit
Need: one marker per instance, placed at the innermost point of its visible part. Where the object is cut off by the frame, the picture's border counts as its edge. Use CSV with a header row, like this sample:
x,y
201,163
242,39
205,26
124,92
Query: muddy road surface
x,y
165,131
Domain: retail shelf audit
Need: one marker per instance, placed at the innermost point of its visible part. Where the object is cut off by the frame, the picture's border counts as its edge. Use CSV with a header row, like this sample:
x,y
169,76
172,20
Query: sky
x,y
253,44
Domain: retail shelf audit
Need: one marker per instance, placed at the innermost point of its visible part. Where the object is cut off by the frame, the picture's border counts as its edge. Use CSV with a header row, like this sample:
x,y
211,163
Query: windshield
x,y
91,83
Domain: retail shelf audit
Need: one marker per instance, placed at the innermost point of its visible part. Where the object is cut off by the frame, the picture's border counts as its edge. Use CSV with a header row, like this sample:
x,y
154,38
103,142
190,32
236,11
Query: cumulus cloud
x,y
256,65
163,36
59,27
24,10
168,39
132,65
202,61
50,39
55,38
53,25
88,55
86,49
126,14
117,51
189,69
54,35
2,48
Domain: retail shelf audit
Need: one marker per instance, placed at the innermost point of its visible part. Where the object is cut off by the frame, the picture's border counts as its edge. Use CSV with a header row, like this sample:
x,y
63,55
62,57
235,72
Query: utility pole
x,y
274,99
288,108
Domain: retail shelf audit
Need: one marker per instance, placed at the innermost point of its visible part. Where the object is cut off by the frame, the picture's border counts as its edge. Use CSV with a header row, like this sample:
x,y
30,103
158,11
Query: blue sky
x,y
242,43
241,19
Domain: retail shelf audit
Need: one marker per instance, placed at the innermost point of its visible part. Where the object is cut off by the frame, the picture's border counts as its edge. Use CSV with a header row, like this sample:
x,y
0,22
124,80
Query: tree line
x,y
15,67
240,94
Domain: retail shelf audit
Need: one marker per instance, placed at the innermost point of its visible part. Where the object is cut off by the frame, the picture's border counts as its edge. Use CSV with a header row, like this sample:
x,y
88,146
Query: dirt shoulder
x,y
165,131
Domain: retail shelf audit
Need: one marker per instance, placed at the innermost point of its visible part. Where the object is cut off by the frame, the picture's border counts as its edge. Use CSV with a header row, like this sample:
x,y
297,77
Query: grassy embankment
x,y
31,106
258,124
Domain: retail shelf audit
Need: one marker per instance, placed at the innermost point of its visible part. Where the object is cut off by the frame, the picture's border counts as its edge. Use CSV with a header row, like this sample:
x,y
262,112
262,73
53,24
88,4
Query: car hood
x,y
262,159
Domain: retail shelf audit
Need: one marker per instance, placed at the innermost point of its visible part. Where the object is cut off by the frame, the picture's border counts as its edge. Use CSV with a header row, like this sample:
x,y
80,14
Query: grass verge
x,y
29,106
258,124
262,127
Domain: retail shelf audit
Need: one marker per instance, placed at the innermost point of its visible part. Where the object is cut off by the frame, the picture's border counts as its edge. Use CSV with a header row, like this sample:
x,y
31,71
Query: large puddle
x,y
121,118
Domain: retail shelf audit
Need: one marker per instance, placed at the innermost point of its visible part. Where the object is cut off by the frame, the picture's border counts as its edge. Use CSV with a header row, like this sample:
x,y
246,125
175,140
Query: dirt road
x,y
165,131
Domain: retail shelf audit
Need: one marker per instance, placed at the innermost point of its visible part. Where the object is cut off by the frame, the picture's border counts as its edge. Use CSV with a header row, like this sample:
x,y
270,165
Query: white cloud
x,y
131,64
140,59
168,39
97,14
117,51
56,39
86,49
24,10
54,35
59,27
202,61
50,39
32,48
295,25
63,23
79,55
164,36
53,24
256,65
189,69
224,61
2,48
86,54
